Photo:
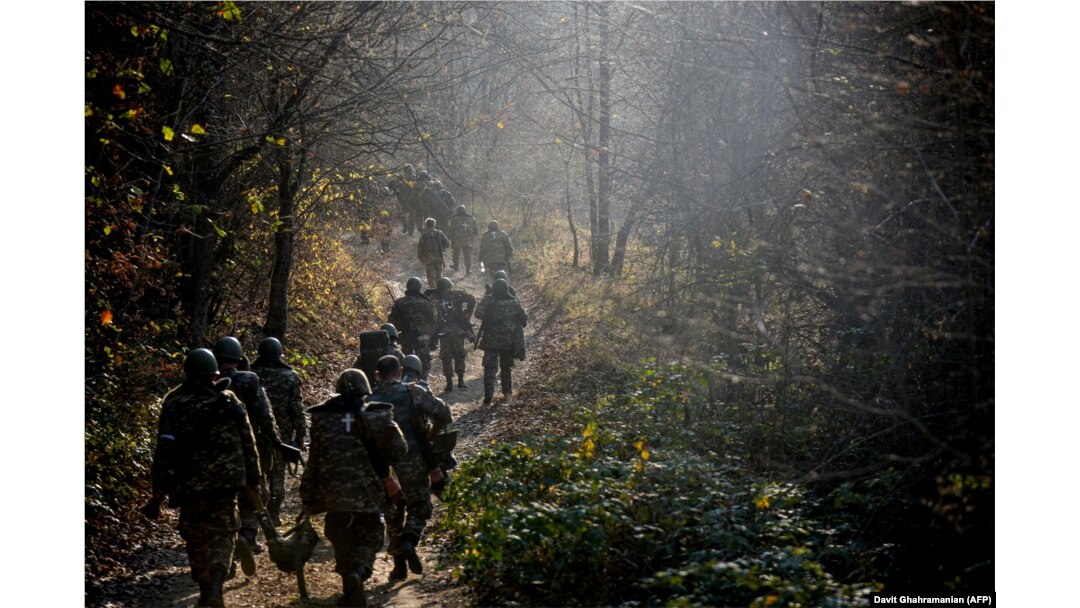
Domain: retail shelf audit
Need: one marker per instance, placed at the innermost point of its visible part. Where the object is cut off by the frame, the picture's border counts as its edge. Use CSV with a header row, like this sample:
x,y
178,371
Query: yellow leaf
x,y
88,111
645,454
108,230
424,26
118,90
280,141
197,129
106,317
639,466
557,141
639,445
716,243
761,502
500,125
168,170
772,599
168,133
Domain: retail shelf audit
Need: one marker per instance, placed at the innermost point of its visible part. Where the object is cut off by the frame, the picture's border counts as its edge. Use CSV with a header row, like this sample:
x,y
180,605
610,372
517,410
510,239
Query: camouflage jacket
x,y
503,321
455,309
349,444
463,229
414,314
204,443
495,247
433,242
414,408
282,387
248,388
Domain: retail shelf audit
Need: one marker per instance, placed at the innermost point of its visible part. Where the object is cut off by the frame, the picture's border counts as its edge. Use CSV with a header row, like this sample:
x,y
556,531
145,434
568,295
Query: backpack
x,y
430,246
459,226
372,348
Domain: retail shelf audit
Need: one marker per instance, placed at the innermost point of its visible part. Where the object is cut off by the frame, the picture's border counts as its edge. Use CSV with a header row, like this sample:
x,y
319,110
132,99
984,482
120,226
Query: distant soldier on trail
x,y
283,388
419,414
501,337
415,317
205,456
348,477
463,231
495,249
406,189
455,311
430,248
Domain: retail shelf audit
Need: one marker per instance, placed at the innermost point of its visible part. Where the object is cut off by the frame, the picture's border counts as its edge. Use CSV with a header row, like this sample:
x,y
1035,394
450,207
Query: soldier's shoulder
x,y
335,403
379,406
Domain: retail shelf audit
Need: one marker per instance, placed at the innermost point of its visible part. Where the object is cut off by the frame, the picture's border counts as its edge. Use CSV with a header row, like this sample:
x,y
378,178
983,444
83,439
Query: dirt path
x,y
159,568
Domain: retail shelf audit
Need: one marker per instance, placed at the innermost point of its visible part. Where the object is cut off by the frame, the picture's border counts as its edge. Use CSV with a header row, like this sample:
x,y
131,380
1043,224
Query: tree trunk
x,y
277,317
603,171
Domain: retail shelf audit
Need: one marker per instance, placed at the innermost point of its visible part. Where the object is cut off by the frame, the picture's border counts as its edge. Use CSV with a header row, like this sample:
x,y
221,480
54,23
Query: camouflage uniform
x,y
282,387
496,251
456,309
414,406
501,333
463,233
429,249
205,455
351,447
249,389
414,315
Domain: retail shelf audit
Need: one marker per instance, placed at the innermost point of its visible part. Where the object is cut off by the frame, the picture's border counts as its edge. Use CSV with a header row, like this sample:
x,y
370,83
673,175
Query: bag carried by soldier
x,y
519,343
372,347
431,249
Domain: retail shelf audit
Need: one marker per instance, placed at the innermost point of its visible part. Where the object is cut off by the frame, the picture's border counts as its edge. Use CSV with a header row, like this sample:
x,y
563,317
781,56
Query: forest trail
x,y
159,572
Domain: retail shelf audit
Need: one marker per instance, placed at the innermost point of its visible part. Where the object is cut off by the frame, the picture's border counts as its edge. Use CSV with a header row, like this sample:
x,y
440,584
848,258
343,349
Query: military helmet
x,y
429,222
352,381
413,362
228,348
502,275
390,330
385,191
414,284
423,176
493,225
200,362
461,209
270,348
444,283
500,287
410,172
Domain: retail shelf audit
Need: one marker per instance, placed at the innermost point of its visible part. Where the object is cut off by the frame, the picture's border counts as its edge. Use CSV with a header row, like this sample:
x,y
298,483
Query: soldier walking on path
x,y
502,337
248,388
455,310
282,387
430,248
495,249
415,317
205,456
415,408
463,233
348,477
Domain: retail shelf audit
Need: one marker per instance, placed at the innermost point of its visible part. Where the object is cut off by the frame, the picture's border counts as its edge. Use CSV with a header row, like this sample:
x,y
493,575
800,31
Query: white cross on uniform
x,y
348,420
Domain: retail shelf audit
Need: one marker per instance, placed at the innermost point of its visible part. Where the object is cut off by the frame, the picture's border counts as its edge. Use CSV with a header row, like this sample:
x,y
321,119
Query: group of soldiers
x,y
371,456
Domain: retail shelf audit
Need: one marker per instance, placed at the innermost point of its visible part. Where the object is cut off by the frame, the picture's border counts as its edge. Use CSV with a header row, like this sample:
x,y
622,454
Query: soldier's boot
x,y
400,570
204,594
216,593
274,511
461,380
507,387
449,384
232,571
243,551
488,395
353,590
408,545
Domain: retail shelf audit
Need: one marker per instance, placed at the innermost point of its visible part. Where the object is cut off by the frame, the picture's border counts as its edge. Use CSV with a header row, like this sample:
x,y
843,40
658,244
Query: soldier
x,y
282,387
414,408
348,477
447,197
455,310
407,197
246,386
500,275
411,370
368,357
205,455
495,249
414,315
463,233
502,337
433,242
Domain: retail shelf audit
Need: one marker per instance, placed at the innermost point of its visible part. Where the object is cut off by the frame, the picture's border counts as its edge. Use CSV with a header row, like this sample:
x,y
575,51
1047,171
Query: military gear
x,y
270,349
413,362
413,284
228,348
502,337
429,223
500,288
353,382
415,316
200,363
410,172
461,209
502,275
408,545
400,570
390,330
463,231
245,550
423,175
493,225
283,388
372,347
495,249
444,283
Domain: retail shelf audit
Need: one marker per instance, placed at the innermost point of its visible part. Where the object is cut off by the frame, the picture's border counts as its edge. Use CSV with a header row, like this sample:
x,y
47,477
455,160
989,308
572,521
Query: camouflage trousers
x,y
277,487
434,272
409,515
467,254
208,525
501,361
452,354
356,538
